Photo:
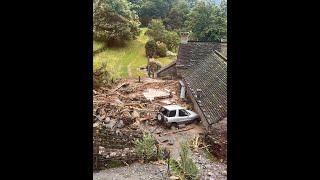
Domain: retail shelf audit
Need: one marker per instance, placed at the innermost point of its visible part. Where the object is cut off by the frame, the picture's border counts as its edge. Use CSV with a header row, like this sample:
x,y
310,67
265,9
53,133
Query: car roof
x,y
173,107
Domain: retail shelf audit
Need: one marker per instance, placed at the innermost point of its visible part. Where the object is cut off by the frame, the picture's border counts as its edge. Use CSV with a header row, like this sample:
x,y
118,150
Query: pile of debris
x,y
119,111
216,137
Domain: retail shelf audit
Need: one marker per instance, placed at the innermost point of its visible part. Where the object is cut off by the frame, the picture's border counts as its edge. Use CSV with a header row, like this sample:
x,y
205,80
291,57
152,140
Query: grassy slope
x,y
125,62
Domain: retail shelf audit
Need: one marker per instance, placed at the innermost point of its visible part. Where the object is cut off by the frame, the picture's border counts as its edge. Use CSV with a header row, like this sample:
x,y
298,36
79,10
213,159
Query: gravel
x,y
135,171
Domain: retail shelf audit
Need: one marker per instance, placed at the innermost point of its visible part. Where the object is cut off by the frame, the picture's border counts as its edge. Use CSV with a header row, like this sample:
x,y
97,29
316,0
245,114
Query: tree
x,y
114,22
207,22
158,32
172,40
153,9
161,49
177,16
151,48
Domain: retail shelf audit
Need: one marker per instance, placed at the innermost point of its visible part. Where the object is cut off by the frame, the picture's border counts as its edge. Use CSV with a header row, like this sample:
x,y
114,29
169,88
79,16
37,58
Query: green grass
x,y
97,45
125,62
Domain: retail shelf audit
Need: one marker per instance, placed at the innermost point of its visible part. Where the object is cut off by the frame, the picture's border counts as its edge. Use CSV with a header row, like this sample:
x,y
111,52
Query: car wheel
x,y
159,117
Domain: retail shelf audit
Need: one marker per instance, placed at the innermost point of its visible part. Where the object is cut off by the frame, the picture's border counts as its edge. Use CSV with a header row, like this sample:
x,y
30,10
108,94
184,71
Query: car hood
x,y
192,113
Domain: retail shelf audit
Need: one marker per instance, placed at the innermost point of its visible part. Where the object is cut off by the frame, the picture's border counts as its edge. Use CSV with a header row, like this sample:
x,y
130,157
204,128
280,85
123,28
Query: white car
x,y
174,115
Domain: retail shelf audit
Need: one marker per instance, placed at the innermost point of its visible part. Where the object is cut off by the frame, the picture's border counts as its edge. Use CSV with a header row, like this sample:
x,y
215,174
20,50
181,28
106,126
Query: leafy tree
x,y
207,22
151,48
224,7
153,9
114,22
177,15
172,40
161,49
158,32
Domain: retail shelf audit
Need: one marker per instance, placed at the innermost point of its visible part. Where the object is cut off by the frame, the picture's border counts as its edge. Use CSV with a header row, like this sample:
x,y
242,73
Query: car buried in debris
x,y
173,115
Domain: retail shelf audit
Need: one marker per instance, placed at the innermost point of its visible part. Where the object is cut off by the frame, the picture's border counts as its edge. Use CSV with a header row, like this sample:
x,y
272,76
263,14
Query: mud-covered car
x,y
175,114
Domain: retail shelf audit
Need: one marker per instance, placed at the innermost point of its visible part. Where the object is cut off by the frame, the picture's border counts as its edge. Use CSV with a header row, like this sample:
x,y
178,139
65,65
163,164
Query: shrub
x,y
151,48
158,32
161,49
146,147
187,166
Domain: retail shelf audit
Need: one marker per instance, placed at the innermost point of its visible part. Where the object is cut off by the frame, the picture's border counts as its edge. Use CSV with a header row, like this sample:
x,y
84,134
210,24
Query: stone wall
x,y
115,144
216,137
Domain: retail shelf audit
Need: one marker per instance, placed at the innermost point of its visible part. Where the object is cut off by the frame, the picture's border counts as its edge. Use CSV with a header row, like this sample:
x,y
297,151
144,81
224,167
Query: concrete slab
x,y
152,94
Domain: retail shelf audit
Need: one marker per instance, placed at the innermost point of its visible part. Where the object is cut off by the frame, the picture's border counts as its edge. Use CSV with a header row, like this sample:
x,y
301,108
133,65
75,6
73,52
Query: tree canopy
x,y
114,22
207,22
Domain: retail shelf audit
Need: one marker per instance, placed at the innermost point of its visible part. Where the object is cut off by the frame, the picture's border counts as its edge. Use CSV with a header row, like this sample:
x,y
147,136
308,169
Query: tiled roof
x,y
205,70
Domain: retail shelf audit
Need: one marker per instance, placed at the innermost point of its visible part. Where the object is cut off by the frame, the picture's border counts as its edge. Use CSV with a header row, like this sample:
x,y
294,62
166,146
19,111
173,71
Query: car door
x,y
183,115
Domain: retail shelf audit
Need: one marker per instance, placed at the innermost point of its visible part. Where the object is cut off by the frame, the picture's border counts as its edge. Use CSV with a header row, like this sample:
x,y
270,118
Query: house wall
x,y
168,73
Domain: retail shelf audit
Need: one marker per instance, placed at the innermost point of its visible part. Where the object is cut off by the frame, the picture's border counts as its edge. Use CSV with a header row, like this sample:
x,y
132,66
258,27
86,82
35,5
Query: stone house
x,y
201,68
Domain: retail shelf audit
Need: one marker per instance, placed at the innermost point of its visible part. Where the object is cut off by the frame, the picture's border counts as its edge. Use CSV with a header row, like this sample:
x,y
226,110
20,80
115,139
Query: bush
x,y
188,167
172,40
158,32
146,147
151,48
161,49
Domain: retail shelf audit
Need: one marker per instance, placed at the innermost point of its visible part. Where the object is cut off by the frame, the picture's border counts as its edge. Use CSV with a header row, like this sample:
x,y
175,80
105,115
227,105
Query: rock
x,y
120,124
112,154
135,114
111,124
210,174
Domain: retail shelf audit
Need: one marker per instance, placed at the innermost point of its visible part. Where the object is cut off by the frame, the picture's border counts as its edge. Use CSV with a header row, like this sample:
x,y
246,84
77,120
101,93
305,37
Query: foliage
x,y
172,40
185,168
151,48
145,147
161,49
114,22
153,9
177,16
188,167
207,22
158,32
